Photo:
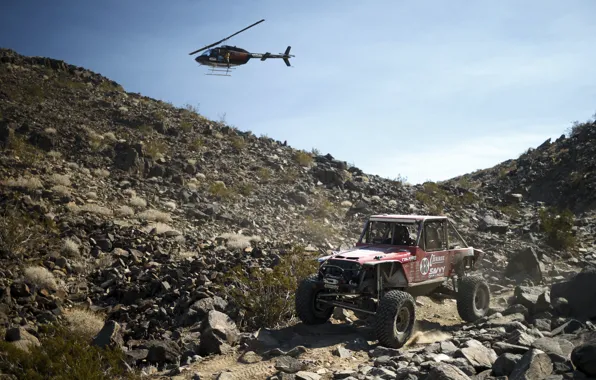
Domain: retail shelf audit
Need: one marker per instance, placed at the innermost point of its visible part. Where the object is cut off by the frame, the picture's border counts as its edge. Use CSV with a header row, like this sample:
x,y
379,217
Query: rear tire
x,y
473,298
307,309
395,319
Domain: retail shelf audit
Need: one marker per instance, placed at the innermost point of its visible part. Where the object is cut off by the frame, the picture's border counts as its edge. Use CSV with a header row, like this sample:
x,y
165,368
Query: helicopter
x,y
225,58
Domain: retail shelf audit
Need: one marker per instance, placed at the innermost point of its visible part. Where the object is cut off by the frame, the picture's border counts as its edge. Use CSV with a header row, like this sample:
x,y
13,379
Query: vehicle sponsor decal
x,y
424,266
435,259
436,271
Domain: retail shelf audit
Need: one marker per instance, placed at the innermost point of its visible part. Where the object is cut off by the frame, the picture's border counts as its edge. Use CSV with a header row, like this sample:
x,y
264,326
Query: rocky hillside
x,y
561,173
148,220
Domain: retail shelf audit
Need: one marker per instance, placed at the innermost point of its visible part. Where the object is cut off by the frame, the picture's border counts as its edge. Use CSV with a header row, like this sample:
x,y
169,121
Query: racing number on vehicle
x,y
424,266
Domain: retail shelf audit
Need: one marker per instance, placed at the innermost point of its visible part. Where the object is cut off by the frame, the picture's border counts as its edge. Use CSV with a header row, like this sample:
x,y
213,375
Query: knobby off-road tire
x,y
473,298
394,321
306,307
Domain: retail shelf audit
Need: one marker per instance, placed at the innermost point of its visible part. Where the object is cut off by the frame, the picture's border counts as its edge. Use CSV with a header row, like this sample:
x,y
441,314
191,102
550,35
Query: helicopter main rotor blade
x,y
218,42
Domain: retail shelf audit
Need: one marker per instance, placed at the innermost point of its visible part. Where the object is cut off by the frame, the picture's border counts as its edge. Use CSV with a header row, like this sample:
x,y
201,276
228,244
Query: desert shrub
x,y
94,208
40,277
160,228
267,295
238,143
303,158
27,183
288,176
155,215
245,188
197,144
137,202
124,211
155,148
21,234
84,322
60,179
63,355
26,152
186,126
264,174
558,226
316,231
239,241
61,190
70,247
219,190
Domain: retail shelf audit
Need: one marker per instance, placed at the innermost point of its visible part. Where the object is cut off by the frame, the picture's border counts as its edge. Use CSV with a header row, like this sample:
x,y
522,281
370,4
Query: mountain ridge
x,y
126,206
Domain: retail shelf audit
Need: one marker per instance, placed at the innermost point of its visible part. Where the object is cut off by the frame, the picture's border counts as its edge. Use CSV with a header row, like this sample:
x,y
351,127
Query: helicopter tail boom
x,y
285,56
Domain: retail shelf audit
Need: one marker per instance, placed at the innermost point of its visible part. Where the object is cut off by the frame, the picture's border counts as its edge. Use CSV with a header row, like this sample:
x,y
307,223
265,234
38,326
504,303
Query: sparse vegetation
x,y
264,174
156,149
137,202
558,226
21,234
83,322
218,189
70,247
155,216
239,241
40,277
26,183
303,158
238,143
267,295
23,150
63,355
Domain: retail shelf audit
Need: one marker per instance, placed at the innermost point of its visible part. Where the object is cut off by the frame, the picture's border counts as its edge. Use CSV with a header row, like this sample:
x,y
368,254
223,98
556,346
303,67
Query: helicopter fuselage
x,y
227,56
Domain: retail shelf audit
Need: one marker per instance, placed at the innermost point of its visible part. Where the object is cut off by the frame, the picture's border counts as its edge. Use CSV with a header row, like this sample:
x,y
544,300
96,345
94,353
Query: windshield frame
x,y
366,230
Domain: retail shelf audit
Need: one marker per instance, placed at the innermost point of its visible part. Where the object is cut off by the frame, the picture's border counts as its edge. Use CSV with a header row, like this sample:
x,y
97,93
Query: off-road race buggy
x,y
396,258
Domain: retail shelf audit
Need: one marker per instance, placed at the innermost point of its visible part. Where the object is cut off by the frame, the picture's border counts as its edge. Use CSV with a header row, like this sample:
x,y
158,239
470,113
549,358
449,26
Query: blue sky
x,y
424,89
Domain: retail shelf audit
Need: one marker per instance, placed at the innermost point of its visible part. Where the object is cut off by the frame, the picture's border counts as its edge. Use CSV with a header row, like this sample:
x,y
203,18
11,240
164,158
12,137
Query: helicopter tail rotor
x,y
287,56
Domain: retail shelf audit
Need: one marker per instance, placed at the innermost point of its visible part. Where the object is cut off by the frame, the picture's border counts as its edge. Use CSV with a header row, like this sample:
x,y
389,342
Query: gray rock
x,y
165,351
446,372
219,333
583,358
525,264
533,365
580,292
109,336
505,364
479,356
288,364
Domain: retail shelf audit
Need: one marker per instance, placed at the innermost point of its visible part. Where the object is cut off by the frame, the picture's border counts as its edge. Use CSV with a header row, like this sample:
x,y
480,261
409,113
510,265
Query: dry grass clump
x,y
60,179
101,173
129,192
93,208
160,228
239,241
70,247
54,154
110,136
155,215
124,211
50,131
91,195
83,322
60,190
29,183
40,277
137,202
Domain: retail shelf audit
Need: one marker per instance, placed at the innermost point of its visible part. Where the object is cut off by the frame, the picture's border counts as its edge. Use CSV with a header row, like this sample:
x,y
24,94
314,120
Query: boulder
x,y
525,264
219,333
580,293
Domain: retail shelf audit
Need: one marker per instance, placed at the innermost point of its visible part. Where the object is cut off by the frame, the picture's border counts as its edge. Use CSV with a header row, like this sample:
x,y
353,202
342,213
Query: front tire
x,y
308,309
473,298
394,321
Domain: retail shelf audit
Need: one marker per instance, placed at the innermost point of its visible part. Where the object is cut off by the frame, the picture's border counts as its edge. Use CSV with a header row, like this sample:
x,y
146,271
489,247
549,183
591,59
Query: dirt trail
x,y
321,341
